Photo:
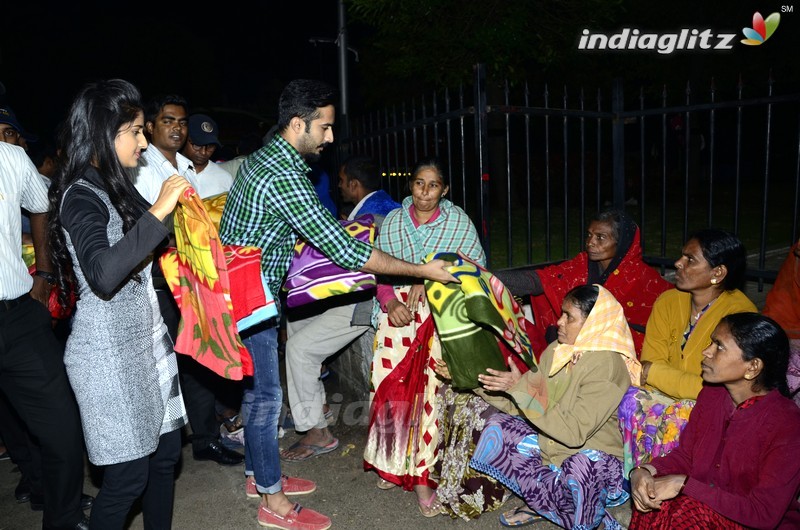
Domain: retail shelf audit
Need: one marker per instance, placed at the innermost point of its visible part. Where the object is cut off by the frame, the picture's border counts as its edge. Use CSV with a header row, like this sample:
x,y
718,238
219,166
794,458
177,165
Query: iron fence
x,y
531,164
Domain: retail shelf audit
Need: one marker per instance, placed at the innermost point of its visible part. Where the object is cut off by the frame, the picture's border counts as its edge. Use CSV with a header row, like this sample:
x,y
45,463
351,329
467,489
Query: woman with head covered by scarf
x,y
565,461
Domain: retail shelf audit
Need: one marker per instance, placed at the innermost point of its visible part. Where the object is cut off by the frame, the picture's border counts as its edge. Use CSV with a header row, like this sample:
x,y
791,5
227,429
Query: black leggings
x,y
123,483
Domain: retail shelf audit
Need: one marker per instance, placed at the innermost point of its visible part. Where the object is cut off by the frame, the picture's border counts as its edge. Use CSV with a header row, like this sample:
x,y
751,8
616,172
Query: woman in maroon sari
x,y
736,465
612,258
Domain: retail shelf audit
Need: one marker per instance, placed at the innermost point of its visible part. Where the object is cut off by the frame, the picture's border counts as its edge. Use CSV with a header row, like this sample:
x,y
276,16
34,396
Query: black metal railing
x,y
532,169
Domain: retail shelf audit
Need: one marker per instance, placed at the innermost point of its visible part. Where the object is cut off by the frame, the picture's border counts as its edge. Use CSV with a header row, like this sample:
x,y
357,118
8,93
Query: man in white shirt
x,y
166,123
199,148
32,374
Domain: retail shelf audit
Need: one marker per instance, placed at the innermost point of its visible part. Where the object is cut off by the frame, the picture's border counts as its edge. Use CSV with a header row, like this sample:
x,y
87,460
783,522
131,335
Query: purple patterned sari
x,y
573,496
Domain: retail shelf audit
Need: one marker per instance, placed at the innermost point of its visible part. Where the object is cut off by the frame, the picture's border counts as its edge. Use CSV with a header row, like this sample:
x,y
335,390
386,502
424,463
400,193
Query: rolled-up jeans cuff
x,y
275,488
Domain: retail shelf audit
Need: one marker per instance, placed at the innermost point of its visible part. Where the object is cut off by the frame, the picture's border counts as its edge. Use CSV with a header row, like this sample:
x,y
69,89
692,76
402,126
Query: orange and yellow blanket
x,y
215,286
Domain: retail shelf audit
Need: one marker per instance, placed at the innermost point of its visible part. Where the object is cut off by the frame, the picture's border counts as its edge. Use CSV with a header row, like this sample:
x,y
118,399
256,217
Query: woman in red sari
x,y
612,258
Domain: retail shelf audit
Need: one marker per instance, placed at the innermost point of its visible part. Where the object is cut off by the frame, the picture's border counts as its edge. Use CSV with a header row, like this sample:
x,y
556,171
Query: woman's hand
x,y
669,486
498,381
643,490
416,297
442,370
171,190
399,315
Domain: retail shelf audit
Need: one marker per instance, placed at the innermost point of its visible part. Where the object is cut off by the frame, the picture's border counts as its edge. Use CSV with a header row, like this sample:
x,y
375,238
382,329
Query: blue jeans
x,y
261,409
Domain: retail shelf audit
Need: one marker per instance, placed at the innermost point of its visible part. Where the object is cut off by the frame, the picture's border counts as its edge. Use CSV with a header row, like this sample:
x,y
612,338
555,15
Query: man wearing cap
x,y
32,374
199,148
11,132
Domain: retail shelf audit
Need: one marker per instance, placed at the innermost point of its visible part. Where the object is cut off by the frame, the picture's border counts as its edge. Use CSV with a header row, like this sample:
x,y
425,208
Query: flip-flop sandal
x,y
425,507
531,517
316,450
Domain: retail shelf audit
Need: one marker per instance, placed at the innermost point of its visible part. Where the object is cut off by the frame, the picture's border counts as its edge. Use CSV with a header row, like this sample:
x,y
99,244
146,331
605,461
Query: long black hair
x,y
87,139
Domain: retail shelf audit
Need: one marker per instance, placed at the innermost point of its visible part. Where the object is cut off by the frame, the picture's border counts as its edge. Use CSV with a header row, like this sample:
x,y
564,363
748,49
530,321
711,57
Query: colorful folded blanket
x,y
479,323
215,287
312,276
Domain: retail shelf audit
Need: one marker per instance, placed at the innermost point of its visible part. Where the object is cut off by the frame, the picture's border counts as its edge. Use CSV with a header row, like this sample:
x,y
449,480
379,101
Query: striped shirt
x,y
272,203
20,187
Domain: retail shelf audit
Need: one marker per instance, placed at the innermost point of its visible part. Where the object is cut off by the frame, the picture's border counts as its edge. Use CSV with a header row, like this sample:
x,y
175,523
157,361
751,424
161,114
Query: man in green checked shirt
x,y
270,205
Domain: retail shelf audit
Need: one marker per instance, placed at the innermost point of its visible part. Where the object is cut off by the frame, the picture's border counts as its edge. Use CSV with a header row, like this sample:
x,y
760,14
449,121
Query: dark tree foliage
x,y
410,47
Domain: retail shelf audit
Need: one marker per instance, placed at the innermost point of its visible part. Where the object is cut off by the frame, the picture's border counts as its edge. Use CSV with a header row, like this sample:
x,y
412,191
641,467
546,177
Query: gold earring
x,y
748,377
713,281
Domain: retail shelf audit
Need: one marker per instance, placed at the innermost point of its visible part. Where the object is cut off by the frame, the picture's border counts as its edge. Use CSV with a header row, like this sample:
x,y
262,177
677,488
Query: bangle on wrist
x,y
642,468
48,276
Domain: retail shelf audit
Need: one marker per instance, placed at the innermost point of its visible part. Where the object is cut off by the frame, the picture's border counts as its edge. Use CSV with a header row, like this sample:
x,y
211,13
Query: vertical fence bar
x,y
599,152
687,124
463,147
509,239
767,146
405,145
618,143
482,152
547,227
414,135
449,132
396,137
425,145
436,130
642,167
663,174
711,139
565,140
583,166
529,177
738,183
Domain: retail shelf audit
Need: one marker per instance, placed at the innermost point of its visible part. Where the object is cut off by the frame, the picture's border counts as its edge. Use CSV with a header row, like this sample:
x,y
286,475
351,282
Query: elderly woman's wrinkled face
x,y
723,361
427,189
601,245
570,322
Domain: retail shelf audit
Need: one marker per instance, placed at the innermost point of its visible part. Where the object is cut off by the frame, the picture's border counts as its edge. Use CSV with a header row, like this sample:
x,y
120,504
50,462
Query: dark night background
x,y
240,54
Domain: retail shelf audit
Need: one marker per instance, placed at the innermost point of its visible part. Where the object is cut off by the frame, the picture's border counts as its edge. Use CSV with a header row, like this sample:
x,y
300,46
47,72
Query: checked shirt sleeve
x,y
300,207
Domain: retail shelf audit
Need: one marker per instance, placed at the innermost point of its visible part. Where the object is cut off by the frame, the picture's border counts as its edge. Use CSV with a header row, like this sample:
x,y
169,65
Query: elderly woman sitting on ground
x,y
564,461
612,257
736,465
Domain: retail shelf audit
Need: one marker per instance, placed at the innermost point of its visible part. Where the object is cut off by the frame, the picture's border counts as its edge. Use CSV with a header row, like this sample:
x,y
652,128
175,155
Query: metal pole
x,y
618,144
344,115
482,151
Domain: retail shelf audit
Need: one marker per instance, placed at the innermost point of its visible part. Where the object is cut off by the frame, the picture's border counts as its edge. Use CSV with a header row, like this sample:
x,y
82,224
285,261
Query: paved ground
x,y
212,497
